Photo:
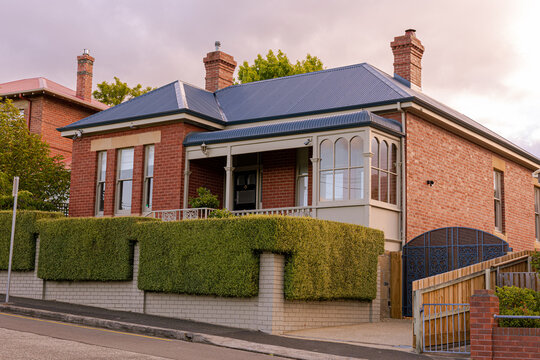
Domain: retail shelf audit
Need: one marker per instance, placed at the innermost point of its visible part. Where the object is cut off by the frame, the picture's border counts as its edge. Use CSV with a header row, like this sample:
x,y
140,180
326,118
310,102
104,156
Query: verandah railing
x,y
203,213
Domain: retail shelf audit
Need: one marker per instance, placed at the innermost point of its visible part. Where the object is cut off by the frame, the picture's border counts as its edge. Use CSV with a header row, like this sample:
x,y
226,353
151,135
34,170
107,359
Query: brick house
x,y
47,105
351,144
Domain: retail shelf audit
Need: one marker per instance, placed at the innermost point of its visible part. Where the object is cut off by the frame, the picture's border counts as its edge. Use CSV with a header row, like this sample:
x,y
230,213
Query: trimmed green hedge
x,y
80,249
24,246
324,259
518,301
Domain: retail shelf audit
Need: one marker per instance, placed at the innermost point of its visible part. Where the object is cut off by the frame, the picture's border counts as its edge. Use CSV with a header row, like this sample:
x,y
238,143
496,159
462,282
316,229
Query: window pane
x,y
384,156
393,189
150,161
302,161
103,166
393,159
496,185
357,183
327,185
101,196
375,184
342,153
384,186
149,189
357,151
498,218
126,164
375,151
341,179
125,195
326,155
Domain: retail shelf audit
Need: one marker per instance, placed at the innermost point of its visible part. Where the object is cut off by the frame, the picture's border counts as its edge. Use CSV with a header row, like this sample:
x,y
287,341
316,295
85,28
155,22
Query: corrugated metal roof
x,y
344,87
202,102
349,120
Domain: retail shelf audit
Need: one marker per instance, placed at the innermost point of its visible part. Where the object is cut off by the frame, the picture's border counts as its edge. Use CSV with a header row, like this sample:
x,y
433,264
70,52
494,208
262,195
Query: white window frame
x,y
537,212
119,182
348,136
498,200
388,172
148,179
101,161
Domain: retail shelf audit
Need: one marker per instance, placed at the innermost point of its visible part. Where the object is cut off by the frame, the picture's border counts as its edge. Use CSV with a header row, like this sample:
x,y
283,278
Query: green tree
x,y
118,92
44,180
276,66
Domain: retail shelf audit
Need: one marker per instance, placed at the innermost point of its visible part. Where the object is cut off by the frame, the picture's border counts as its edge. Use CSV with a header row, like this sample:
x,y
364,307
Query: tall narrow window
x,y
148,178
375,169
384,171
327,173
357,168
498,200
125,180
100,188
341,171
302,161
537,212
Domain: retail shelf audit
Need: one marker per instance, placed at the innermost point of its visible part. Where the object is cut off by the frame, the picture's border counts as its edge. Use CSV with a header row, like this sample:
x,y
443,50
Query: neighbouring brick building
x,y
48,105
351,144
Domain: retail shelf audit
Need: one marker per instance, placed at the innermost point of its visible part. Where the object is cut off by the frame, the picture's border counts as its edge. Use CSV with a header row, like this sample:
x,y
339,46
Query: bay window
x,y
384,171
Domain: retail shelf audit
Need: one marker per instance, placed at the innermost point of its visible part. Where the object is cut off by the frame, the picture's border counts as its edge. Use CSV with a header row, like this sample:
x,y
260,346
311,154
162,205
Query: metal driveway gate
x,y
441,250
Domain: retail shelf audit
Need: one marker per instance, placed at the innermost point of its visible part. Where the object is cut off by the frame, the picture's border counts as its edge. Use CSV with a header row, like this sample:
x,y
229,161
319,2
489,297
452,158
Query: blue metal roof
x,y
349,120
326,90
176,97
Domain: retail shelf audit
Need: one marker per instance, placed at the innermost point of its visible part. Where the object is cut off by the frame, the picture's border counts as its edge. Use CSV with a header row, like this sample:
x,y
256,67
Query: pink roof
x,y
43,84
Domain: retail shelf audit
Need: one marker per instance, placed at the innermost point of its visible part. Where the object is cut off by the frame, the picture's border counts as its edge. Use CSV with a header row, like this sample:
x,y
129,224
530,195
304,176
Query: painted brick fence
x,y
268,312
489,341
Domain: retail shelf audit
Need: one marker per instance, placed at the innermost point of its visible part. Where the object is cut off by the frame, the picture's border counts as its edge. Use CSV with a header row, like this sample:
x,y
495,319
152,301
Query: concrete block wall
x,y
23,283
114,295
269,312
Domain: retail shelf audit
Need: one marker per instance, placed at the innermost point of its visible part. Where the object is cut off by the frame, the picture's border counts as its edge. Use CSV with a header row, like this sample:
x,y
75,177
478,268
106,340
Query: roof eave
x,y
56,94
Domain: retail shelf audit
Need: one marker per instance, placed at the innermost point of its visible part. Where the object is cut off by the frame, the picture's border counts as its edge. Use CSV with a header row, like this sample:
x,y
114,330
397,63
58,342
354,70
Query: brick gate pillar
x,y
484,304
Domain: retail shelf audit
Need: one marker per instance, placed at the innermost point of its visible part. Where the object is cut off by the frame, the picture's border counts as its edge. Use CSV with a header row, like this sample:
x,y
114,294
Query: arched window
x,y
356,168
327,172
384,171
341,171
375,169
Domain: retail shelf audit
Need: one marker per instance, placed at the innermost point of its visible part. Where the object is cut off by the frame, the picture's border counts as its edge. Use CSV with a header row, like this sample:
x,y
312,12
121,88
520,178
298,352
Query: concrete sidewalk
x,y
328,343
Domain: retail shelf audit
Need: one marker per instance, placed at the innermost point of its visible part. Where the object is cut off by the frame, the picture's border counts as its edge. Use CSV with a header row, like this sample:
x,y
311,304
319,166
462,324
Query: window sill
x,y
500,234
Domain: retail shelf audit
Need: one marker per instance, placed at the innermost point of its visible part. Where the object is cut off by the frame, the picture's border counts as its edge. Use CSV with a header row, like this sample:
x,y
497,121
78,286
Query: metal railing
x,y
287,211
181,214
445,328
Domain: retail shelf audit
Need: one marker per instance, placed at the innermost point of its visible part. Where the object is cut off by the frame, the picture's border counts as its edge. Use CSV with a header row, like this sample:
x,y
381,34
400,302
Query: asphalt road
x,y
29,338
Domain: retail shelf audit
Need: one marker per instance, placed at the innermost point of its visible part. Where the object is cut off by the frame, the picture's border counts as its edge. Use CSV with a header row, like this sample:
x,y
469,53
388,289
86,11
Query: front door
x,y
245,190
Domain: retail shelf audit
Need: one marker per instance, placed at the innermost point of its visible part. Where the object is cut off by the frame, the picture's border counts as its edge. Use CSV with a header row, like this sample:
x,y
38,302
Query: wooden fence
x,y
457,286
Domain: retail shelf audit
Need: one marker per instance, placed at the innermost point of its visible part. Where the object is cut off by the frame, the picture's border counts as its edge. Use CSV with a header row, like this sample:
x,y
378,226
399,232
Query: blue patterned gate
x,y
441,250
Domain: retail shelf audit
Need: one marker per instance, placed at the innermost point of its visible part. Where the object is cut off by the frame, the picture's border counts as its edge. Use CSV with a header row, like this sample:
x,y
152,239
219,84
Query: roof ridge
x,y
379,74
292,76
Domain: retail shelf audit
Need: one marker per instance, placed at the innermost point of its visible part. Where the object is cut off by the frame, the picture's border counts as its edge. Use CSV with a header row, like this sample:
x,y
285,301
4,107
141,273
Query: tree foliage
x,y
117,92
275,66
44,180
205,199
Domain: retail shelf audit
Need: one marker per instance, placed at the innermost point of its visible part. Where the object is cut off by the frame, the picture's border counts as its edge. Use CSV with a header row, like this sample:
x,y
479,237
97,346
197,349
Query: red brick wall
x,y
488,341
463,191
168,171
57,113
279,178
208,173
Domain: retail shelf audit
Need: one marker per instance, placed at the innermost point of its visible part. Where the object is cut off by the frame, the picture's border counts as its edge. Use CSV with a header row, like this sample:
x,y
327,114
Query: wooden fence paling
x,y
395,285
458,285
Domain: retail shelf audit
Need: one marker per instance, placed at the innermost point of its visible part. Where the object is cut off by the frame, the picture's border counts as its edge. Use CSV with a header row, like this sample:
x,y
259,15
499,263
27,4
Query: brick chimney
x,y
219,69
85,66
408,51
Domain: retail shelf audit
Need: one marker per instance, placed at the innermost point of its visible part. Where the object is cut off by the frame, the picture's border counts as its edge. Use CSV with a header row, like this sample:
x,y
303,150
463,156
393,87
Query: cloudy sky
x,y
481,56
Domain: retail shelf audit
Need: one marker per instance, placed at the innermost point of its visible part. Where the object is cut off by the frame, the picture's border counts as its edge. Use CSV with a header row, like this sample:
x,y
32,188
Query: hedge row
x,y
324,260
24,245
82,249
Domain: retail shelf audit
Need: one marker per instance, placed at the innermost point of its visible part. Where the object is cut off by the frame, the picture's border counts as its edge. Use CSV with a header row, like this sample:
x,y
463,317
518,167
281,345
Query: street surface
x,y
28,338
